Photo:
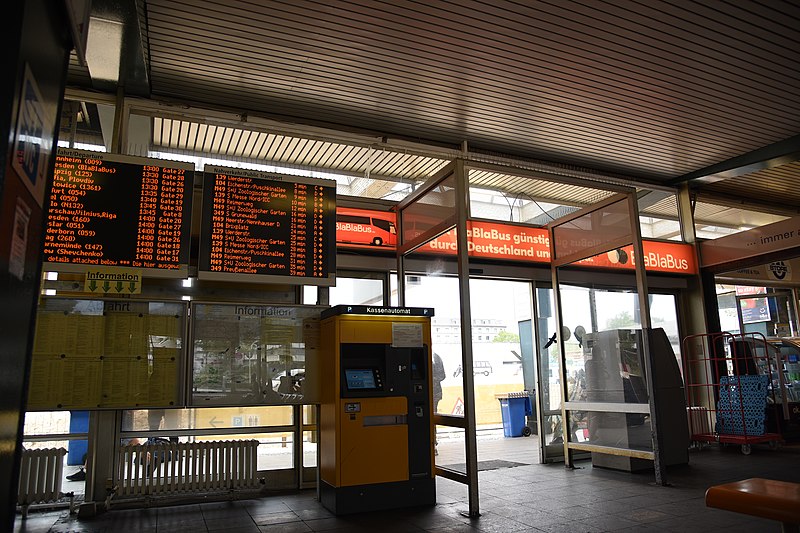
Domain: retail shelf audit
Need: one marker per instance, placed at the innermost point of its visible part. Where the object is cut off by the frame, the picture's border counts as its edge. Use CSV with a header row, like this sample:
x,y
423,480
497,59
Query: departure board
x,y
109,210
267,228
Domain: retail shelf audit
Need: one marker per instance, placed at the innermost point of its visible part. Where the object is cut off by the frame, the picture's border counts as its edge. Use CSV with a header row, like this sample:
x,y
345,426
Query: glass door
x,y
590,310
503,376
543,347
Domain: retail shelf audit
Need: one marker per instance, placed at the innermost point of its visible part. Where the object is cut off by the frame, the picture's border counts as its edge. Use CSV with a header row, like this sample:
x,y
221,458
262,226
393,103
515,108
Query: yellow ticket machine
x,y
376,425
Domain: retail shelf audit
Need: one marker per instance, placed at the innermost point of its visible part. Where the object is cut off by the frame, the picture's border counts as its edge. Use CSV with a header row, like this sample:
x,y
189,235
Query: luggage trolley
x,y
728,388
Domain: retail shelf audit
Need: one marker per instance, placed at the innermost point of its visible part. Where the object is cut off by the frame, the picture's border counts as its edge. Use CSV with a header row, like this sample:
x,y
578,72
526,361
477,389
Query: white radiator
x,y
699,421
152,469
40,477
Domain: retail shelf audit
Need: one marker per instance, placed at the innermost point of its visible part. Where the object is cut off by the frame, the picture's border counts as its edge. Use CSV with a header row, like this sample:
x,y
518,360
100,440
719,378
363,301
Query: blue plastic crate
x,y
741,407
734,425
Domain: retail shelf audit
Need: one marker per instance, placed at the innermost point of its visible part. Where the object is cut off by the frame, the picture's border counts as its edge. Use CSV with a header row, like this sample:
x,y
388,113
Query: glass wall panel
x,y
658,215
765,310
275,451
196,425
310,438
47,422
430,210
251,354
728,309
664,315
577,313
309,414
441,293
82,123
617,430
605,225
587,312
604,363
450,449
356,291
509,198
498,307
549,380
309,449
190,420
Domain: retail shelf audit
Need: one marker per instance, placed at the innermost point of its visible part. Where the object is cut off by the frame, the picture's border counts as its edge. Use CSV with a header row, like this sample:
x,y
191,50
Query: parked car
x,y
478,367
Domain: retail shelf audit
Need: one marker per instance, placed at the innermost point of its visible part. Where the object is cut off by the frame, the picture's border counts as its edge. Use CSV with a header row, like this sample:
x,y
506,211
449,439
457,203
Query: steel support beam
x,y
773,155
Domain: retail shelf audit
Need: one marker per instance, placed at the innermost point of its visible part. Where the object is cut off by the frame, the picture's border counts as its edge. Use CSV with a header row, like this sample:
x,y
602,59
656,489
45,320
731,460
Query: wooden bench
x,y
765,498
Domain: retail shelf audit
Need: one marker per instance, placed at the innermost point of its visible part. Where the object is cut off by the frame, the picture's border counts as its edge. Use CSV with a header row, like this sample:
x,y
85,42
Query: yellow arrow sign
x,y
113,281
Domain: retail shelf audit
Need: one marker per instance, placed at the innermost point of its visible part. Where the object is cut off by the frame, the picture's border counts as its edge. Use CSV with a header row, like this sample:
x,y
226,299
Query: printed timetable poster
x,y
91,354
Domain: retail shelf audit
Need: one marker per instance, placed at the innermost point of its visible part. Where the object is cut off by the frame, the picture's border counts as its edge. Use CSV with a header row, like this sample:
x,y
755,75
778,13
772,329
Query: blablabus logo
x,y
780,270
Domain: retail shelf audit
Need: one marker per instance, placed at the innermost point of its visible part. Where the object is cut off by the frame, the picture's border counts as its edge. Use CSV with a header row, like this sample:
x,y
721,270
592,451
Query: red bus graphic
x,y
357,226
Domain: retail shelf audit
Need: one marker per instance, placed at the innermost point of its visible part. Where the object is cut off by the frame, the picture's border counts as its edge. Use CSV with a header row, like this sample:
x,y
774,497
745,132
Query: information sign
x,y
113,281
118,211
267,228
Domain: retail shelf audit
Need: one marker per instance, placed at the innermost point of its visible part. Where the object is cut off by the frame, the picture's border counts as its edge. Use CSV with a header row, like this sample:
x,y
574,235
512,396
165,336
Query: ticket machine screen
x,y
360,379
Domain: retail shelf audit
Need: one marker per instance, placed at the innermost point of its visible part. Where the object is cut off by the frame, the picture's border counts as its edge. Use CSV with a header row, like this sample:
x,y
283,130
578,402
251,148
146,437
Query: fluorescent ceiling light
x,y
103,49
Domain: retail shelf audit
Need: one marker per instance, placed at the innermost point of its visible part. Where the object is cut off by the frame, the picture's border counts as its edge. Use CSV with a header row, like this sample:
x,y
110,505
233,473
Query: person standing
x,y
438,376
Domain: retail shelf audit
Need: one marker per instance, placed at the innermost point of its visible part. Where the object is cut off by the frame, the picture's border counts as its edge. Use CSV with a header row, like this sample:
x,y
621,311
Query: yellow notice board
x,y
64,382
113,281
92,354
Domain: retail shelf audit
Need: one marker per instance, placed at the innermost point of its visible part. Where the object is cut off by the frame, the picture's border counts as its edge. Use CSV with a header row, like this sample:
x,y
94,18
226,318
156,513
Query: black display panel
x,y
360,378
267,228
110,210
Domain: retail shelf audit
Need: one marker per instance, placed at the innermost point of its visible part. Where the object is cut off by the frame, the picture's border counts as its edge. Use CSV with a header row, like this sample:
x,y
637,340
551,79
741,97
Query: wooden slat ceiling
x,y
253,146
525,188
709,214
244,144
779,185
649,90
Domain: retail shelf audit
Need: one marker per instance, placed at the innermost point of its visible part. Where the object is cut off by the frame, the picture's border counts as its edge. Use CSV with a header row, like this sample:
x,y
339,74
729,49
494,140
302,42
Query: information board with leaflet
x,y
118,211
267,228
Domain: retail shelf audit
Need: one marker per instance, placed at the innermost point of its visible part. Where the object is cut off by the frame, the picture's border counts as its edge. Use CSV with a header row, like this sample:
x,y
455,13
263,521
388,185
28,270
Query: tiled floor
x,y
525,498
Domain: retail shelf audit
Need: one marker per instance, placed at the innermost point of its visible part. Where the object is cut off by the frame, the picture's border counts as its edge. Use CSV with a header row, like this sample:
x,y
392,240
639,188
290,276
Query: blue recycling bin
x,y
514,409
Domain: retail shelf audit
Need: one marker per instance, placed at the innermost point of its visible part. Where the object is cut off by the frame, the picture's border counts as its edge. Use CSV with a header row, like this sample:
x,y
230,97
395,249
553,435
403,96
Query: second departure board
x,y
110,210
267,228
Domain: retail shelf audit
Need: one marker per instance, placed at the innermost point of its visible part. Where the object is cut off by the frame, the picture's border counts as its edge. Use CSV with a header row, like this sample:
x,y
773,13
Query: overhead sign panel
x,y
375,230
267,228
111,210
755,242
113,281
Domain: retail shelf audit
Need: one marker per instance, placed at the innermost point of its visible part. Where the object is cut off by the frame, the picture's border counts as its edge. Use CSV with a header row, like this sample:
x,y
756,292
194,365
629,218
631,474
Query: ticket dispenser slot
x,y
376,432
